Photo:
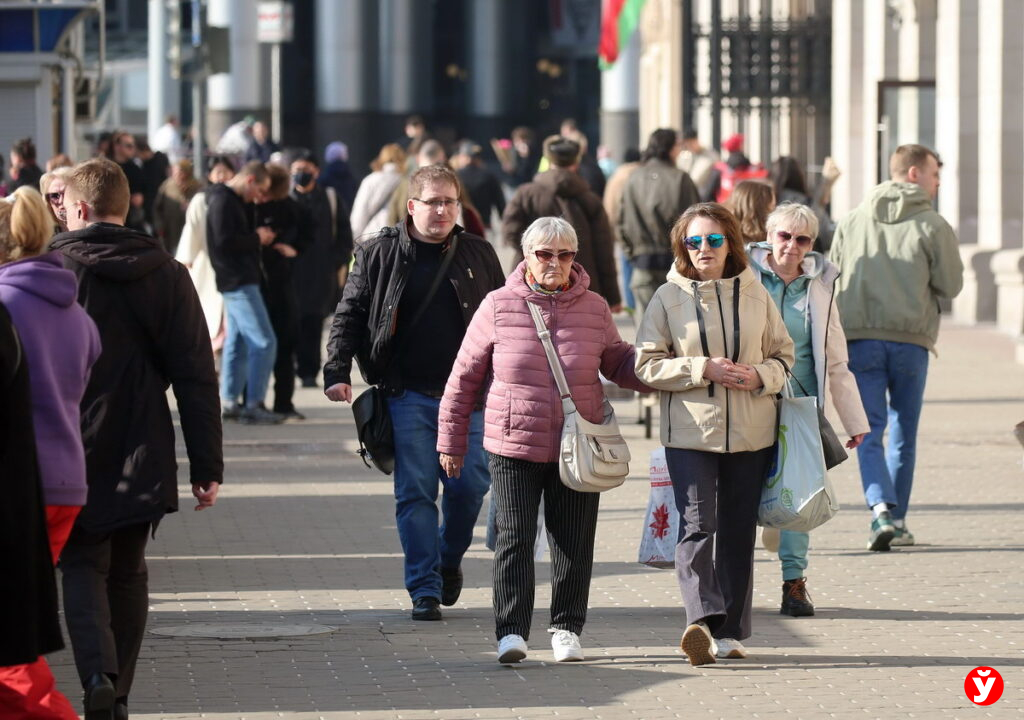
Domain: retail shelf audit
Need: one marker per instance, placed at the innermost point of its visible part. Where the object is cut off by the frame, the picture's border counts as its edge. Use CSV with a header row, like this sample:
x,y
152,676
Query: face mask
x,y
302,179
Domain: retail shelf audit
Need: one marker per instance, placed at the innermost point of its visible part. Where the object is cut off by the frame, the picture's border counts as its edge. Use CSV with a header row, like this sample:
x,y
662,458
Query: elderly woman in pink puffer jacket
x,y
523,426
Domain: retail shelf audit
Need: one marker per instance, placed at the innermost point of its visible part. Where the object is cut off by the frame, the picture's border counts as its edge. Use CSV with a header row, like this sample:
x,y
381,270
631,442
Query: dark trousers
x,y
717,495
284,319
106,600
571,521
307,351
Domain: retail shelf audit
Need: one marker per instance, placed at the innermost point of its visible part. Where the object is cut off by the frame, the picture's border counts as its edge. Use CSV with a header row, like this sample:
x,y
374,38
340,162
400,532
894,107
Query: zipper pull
x,y
470,271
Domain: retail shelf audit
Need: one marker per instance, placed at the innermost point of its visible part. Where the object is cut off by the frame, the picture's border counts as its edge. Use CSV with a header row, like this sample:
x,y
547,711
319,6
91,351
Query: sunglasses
x,y
563,256
801,240
694,242
54,197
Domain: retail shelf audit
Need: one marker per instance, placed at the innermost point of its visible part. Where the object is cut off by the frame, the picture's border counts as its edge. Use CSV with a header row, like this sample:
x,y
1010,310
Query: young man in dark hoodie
x,y
153,335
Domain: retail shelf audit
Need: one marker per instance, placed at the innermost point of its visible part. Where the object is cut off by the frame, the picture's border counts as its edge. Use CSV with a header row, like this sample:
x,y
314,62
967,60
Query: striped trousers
x,y
571,521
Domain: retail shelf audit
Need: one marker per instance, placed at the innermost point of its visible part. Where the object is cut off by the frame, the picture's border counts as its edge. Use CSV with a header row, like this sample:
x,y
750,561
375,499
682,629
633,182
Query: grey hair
x,y
549,229
796,216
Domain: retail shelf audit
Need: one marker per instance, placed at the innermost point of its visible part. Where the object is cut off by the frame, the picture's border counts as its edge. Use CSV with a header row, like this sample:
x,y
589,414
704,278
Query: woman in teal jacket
x,y
802,284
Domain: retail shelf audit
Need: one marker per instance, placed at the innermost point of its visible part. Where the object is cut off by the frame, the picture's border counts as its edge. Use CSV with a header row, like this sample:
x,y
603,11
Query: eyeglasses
x,y
694,242
801,240
440,203
563,255
54,197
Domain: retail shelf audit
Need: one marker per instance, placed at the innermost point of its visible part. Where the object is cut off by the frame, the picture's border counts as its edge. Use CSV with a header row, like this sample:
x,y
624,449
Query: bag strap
x,y
568,406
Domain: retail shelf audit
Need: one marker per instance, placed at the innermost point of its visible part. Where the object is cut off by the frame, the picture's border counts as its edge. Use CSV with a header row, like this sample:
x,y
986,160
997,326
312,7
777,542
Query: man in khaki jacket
x,y
898,258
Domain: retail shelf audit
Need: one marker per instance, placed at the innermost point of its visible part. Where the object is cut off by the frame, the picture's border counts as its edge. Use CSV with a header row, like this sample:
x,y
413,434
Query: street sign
x,y
275,22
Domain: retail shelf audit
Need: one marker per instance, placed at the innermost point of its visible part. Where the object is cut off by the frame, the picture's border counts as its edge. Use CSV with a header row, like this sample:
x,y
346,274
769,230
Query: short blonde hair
x,y
102,184
549,228
796,216
25,226
46,181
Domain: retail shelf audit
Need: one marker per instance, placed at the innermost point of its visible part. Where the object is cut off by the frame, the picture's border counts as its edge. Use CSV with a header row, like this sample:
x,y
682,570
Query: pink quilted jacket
x,y
523,415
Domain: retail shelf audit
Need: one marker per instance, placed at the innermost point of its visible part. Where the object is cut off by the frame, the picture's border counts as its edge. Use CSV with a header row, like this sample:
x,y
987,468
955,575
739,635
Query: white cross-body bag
x,y
593,458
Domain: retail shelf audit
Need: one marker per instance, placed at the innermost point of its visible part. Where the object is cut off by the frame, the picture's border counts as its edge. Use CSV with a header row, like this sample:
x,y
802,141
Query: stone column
x,y
232,96
956,140
848,101
404,61
661,66
620,102
490,42
161,99
1001,147
346,78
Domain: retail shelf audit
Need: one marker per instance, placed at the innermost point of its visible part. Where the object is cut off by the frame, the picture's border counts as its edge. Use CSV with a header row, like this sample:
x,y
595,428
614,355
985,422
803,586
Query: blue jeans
x,y
891,378
247,367
793,547
417,475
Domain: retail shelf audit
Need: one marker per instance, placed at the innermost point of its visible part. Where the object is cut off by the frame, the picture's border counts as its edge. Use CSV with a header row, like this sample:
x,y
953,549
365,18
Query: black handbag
x,y
374,428
375,432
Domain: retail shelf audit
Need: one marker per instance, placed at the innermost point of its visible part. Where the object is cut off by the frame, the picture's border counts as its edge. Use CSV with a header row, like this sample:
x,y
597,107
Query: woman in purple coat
x,y
523,425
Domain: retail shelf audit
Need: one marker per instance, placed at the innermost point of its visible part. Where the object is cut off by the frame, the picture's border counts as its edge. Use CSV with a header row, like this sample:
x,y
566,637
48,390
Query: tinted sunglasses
x,y
54,197
694,242
563,256
801,240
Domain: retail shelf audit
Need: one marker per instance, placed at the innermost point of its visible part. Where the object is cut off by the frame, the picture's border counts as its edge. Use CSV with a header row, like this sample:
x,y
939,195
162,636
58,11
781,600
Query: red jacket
x,y
522,415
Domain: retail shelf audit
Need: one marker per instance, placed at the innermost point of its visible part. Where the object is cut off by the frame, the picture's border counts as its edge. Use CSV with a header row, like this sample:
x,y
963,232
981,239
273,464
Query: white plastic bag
x,y
797,493
661,523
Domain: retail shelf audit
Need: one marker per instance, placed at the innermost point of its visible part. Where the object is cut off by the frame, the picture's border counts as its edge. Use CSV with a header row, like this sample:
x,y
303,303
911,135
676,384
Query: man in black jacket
x,y
250,347
410,353
154,335
320,270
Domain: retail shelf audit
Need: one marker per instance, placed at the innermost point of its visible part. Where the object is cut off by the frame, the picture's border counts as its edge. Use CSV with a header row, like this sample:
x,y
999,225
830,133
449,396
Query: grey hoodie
x,y
898,257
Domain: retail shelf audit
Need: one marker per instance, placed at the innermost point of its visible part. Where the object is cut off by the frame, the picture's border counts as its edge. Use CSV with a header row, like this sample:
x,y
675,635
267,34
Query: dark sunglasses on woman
x,y
563,256
801,240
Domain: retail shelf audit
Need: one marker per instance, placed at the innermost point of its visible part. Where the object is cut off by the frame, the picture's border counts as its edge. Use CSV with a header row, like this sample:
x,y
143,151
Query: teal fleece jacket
x,y
898,257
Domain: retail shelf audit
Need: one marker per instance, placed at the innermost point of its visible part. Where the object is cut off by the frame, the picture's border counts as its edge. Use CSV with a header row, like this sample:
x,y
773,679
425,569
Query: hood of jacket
x,y
113,252
579,283
814,266
746,277
43,276
893,202
563,182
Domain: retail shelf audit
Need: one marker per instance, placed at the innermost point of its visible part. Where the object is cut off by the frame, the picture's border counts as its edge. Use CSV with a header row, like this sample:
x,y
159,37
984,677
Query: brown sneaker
x,y
796,601
698,644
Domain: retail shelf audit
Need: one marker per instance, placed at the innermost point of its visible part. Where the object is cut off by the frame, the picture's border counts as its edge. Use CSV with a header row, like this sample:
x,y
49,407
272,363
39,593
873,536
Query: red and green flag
x,y
618,23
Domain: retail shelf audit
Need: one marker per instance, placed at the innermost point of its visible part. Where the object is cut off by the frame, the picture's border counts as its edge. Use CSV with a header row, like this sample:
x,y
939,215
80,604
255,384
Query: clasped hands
x,y
735,376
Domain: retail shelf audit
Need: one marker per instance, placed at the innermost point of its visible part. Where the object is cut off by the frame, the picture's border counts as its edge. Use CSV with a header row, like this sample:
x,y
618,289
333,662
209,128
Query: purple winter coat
x,y
523,415
61,344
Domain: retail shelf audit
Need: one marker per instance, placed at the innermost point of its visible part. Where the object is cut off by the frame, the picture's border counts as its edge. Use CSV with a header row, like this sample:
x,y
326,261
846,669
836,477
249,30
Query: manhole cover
x,y
241,631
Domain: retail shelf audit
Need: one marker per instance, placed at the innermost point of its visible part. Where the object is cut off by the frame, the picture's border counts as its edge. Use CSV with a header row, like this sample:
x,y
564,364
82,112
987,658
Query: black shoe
x,y
121,709
308,382
795,599
426,608
290,415
99,697
451,585
260,416
231,413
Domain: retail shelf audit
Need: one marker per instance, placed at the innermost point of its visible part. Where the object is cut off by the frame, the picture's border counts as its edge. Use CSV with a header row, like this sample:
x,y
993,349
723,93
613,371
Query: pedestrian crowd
x,y
124,276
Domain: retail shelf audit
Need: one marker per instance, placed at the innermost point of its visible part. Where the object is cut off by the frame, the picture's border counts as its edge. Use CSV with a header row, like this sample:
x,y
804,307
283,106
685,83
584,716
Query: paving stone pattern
x,y
305,535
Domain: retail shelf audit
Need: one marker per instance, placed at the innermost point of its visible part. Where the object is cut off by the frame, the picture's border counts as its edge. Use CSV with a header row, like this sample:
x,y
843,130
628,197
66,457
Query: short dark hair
x,y
907,156
25,149
280,182
216,160
660,145
561,151
304,155
254,169
689,134
103,185
415,120
439,173
736,261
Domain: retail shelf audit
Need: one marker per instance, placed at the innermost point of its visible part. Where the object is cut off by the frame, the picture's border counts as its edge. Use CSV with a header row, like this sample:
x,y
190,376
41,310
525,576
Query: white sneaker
x,y
770,539
730,648
566,646
511,649
698,644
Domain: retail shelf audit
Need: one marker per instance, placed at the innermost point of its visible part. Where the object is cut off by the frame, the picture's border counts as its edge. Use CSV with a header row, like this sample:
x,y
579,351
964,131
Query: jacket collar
x,y
578,279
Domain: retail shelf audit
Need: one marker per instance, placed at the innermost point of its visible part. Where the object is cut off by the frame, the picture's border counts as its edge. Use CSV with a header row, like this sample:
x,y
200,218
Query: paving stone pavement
x,y
303,534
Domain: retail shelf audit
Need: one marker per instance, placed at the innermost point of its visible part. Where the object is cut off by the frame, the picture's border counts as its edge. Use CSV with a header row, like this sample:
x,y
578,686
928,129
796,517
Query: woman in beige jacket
x,y
713,342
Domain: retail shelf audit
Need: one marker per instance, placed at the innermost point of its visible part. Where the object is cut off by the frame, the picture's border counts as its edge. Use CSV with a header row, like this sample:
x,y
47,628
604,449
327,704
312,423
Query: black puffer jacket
x,y
154,335
364,323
